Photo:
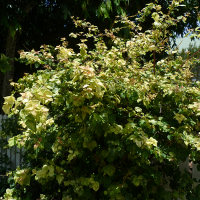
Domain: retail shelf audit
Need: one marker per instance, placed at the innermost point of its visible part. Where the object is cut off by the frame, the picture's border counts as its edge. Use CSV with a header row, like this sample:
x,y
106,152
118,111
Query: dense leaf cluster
x,y
107,123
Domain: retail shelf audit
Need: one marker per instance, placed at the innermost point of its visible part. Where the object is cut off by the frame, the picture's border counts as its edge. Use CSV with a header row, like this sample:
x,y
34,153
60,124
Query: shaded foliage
x,y
107,123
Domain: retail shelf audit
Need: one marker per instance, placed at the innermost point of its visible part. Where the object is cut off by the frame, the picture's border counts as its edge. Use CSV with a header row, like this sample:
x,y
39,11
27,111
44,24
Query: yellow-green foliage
x,y
107,123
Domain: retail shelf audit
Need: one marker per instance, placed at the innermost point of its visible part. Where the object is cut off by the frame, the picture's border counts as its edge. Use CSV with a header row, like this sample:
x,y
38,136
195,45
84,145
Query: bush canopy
x,y
109,122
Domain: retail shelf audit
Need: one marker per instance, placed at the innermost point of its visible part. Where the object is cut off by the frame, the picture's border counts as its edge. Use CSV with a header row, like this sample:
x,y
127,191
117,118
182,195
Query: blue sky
x,y
183,43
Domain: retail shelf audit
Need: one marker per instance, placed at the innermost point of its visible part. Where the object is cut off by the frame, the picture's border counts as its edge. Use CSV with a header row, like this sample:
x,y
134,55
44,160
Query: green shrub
x,y
108,123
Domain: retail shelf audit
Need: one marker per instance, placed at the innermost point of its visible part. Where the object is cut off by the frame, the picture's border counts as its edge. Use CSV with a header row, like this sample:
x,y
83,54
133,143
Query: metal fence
x,y
10,158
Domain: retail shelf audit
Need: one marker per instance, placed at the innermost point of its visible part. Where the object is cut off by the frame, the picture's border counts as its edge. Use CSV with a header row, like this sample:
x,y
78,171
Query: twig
x,y
154,62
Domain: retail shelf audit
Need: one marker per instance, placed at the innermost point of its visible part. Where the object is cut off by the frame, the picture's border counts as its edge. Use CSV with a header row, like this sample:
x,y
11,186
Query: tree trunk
x,y
8,76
